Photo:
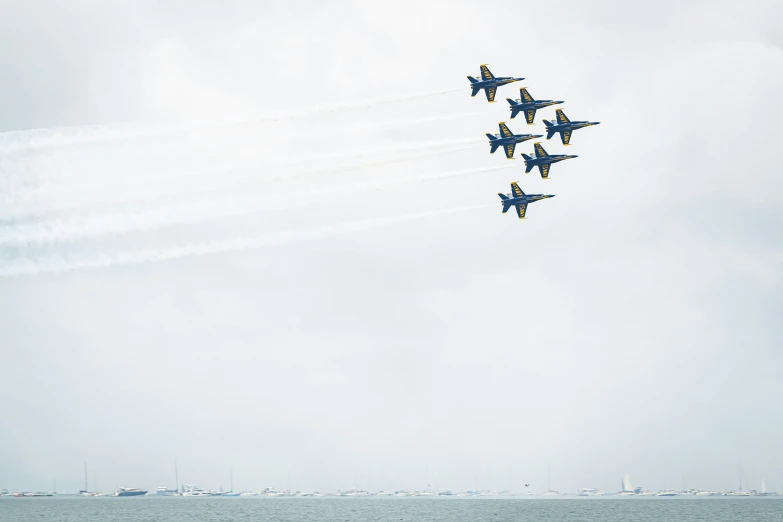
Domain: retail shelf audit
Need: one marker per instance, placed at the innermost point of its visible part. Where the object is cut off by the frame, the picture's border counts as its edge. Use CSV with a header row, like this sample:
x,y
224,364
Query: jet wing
x,y
524,95
561,117
566,137
485,74
490,93
540,152
504,130
516,191
521,209
530,115
510,150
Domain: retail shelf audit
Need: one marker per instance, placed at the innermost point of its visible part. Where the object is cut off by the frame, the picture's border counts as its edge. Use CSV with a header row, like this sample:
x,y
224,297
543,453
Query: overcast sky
x,y
266,237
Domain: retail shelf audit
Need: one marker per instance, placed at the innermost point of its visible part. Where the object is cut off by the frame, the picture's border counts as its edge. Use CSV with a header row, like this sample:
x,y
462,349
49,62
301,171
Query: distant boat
x,y
32,494
194,491
166,492
130,492
588,492
666,493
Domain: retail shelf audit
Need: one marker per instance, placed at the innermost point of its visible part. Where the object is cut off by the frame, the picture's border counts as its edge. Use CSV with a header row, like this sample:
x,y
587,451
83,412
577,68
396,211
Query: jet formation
x,y
508,140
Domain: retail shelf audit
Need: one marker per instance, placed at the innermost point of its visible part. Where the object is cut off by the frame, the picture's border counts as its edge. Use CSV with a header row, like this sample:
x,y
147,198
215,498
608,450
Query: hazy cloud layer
x,y
366,315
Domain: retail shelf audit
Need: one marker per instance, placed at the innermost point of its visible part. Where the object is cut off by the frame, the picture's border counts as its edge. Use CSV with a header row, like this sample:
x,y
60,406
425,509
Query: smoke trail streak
x,y
29,267
152,219
35,139
13,211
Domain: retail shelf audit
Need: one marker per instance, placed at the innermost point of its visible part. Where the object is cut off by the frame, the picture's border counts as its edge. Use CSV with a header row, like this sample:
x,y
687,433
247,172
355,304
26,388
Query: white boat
x,y
195,491
166,492
353,492
588,492
666,493
130,492
705,493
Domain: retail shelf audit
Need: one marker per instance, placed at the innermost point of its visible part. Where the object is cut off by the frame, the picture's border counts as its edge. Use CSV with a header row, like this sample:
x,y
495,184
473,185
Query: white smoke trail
x,y
21,200
27,267
34,139
151,218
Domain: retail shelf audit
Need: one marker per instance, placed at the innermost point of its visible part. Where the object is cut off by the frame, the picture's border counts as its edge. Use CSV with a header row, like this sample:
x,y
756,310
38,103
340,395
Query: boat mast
x,y
85,477
231,477
176,475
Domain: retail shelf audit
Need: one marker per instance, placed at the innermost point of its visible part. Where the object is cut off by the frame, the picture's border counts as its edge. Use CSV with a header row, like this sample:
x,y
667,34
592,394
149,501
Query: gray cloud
x,y
630,324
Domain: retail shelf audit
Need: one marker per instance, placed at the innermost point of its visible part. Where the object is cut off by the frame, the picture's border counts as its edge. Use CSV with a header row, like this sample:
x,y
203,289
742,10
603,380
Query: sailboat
x,y
763,491
85,492
627,487
741,492
549,490
231,493
165,491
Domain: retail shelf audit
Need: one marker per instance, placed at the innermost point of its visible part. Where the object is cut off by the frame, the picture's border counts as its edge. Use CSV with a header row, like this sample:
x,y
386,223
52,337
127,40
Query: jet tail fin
x,y
472,79
549,133
513,106
506,203
490,136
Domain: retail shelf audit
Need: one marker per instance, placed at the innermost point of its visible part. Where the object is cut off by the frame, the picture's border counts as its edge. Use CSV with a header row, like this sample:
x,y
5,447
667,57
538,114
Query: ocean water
x,y
151,509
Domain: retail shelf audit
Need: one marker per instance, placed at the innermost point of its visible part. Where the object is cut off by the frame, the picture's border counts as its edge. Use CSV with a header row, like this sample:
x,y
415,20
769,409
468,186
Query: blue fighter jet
x,y
489,83
520,200
526,103
565,126
507,140
543,160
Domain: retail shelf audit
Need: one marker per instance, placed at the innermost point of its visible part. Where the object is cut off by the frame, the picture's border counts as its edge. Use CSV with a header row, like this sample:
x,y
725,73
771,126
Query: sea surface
x,y
172,509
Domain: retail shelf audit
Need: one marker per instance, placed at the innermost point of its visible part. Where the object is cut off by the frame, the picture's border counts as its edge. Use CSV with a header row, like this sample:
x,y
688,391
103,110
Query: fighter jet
x,y
526,103
565,126
520,200
489,83
543,160
507,140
